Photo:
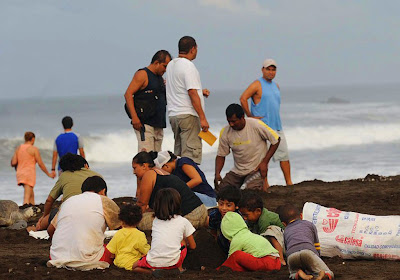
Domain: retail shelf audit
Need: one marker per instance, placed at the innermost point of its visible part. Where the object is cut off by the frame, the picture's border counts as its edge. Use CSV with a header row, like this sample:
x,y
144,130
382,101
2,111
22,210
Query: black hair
x,y
234,109
186,43
288,213
172,155
161,56
28,136
251,201
130,214
167,203
144,157
230,193
67,122
71,162
95,184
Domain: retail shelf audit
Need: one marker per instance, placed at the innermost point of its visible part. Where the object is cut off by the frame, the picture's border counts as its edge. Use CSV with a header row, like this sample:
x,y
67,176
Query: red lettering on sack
x,y
332,212
332,223
349,240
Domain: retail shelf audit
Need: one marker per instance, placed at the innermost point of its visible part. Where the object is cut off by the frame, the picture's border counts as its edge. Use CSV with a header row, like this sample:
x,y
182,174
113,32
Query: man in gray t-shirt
x,y
247,139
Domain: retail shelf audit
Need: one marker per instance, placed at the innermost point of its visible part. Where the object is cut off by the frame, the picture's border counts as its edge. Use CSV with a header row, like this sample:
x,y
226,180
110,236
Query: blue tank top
x,y
269,105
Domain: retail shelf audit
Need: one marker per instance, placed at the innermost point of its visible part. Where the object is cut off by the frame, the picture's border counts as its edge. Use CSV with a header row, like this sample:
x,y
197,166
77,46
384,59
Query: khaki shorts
x,y
251,182
198,218
153,139
187,142
282,153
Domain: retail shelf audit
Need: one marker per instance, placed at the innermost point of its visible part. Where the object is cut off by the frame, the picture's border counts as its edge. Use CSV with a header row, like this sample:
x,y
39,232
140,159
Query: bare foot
x,y
303,275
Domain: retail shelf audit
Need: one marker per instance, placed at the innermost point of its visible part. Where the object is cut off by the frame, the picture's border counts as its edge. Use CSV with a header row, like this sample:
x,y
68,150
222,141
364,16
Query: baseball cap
x,y
162,158
268,62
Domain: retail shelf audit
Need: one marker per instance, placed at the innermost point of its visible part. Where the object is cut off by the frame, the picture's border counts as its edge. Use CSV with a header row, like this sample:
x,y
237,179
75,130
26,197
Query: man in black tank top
x,y
146,102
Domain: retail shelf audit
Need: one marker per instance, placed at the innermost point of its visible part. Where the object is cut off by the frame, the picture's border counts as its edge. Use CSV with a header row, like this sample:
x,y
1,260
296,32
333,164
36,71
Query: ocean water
x,y
333,133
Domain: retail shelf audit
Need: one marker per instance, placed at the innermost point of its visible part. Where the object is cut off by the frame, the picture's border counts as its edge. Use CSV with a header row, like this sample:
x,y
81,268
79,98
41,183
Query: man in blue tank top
x,y
265,105
146,103
67,142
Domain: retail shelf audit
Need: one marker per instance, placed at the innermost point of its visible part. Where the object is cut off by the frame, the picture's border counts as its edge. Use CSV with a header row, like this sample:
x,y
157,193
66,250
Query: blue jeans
x,y
207,200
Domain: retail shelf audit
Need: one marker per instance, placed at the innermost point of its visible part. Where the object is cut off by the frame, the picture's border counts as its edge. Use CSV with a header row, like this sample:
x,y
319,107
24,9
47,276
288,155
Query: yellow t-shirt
x,y
128,245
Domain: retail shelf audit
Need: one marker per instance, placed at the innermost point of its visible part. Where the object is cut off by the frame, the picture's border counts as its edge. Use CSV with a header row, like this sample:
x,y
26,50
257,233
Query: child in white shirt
x,y
171,234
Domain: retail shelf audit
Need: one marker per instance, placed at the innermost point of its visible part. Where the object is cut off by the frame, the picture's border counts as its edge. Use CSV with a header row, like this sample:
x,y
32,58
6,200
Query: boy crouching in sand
x,y
261,221
302,246
247,251
129,244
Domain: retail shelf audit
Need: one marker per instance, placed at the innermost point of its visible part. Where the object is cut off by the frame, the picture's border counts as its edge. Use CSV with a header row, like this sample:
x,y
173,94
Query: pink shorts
x,y
143,262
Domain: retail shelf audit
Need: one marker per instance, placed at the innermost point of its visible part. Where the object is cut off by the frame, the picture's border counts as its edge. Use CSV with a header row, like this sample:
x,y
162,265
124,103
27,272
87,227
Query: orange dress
x,y
26,169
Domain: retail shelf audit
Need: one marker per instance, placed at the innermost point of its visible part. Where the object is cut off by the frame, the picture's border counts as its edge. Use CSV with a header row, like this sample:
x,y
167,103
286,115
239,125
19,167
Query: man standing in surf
x,y
186,101
265,105
146,103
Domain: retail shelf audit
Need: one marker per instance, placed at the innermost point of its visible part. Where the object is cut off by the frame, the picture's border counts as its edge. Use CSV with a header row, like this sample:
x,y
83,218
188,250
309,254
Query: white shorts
x,y
282,153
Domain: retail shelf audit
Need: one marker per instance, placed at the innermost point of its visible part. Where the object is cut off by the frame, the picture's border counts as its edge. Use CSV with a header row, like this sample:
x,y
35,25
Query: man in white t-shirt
x,y
247,138
78,228
185,101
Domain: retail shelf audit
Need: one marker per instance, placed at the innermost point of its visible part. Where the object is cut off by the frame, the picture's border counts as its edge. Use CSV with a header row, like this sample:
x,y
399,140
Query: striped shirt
x,y
301,235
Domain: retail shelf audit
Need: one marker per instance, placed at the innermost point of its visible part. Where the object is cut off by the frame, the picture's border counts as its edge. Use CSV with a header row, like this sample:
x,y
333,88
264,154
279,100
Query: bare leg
x,y
28,194
303,275
285,166
136,268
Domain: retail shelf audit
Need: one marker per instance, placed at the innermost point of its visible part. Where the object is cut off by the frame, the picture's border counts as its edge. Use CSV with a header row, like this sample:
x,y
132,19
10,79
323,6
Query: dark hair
x,y
28,136
161,56
251,201
130,214
71,162
95,184
172,155
67,122
288,213
234,109
167,203
186,43
144,157
230,193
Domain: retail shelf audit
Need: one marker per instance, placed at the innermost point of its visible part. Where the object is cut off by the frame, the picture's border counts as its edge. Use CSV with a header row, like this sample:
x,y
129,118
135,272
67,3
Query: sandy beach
x,y
23,257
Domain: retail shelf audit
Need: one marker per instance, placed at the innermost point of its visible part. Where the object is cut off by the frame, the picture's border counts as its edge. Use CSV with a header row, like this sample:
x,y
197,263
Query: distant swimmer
x,y
146,103
24,159
67,142
185,96
247,139
265,105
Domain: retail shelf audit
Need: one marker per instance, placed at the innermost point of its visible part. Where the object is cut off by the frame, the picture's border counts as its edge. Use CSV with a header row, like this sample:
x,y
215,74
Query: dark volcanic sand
x,y
23,257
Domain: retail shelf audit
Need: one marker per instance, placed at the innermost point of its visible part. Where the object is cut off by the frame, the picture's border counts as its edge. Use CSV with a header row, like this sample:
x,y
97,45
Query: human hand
x,y
263,168
217,180
204,125
136,123
283,262
52,175
206,93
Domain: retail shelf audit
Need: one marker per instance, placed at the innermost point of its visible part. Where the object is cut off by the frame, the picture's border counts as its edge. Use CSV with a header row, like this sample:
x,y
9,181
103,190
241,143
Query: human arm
x,y
190,242
146,188
143,245
274,242
250,92
191,172
50,230
219,164
195,99
82,152
138,82
39,160
263,166
54,162
14,159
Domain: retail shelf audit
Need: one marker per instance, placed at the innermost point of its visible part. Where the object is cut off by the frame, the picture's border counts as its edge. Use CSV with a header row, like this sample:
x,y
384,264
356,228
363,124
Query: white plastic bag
x,y
353,235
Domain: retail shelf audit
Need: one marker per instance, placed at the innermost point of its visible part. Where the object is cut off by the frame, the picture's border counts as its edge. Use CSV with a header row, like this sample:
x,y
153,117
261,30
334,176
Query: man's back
x,y
67,142
182,75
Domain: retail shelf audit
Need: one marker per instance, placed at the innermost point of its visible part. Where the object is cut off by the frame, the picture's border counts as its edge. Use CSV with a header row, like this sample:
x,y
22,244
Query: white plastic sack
x,y
353,235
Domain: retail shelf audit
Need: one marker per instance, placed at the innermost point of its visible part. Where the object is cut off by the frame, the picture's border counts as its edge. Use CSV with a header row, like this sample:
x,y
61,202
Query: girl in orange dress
x,y
24,159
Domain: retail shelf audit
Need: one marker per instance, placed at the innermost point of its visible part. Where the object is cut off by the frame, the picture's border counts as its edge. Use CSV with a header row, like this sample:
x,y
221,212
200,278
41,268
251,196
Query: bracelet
x,y
53,169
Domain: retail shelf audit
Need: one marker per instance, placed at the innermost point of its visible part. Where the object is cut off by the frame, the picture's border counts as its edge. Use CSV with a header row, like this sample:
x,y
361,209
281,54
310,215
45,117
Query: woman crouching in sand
x,y
152,179
24,160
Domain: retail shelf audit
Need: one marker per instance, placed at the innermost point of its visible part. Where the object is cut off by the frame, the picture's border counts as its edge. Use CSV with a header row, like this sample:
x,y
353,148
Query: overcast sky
x,y
93,47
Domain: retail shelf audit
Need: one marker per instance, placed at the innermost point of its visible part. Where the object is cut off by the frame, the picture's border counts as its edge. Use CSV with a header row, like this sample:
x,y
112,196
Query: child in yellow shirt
x,y
129,244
